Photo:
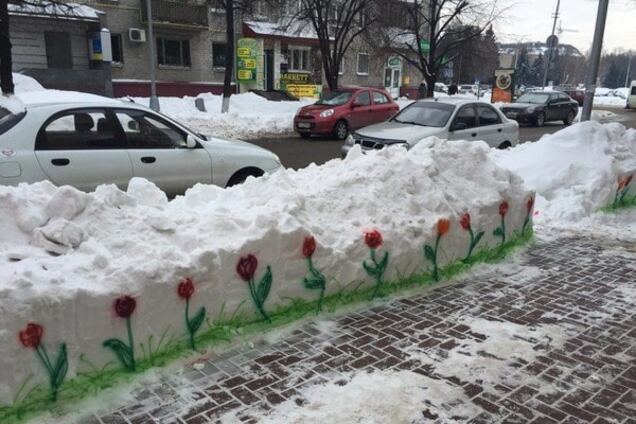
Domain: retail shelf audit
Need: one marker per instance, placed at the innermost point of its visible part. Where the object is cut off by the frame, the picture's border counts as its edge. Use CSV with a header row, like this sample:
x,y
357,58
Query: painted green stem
x,y
131,343
377,270
315,281
257,301
57,373
435,267
187,318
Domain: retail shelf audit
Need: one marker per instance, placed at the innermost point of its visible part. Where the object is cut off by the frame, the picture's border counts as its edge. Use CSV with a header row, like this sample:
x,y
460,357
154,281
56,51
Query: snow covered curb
x,y
129,263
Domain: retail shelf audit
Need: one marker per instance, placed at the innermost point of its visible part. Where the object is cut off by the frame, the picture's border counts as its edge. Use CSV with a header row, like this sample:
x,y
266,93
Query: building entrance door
x,y
393,76
269,70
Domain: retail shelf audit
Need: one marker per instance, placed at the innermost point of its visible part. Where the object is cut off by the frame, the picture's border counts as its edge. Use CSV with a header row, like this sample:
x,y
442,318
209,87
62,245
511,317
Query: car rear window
x,y
8,120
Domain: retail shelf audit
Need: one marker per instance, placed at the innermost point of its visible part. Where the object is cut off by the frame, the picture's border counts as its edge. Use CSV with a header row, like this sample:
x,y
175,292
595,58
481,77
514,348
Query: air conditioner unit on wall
x,y
137,35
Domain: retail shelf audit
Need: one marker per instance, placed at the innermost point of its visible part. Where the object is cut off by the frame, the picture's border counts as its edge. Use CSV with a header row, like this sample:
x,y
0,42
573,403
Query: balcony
x,y
176,13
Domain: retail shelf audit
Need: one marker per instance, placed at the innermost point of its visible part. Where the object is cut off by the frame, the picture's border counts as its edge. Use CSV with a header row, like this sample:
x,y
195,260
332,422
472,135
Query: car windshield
x,y
426,114
335,98
534,98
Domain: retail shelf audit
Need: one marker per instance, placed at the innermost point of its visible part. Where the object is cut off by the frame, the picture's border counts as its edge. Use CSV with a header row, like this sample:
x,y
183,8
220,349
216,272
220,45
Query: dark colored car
x,y
539,107
344,110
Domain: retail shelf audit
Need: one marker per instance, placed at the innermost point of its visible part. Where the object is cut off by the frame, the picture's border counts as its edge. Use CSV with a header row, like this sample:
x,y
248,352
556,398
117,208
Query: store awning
x,y
294,32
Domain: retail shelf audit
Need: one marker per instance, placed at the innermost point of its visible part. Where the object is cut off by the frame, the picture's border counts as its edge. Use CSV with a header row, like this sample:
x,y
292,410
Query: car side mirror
x,y
459,126
191,142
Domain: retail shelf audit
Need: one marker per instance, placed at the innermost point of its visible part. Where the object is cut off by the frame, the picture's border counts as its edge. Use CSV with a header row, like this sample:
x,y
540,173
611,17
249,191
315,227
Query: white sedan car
x,y
451,118
84,140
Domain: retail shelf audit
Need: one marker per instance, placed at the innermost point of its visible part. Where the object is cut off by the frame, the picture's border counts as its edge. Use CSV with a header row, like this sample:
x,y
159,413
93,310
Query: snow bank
x,y
22,84
250,116
111,243
575,171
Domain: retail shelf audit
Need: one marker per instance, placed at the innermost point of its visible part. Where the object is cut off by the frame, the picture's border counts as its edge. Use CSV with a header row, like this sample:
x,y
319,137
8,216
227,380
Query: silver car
x,y
451,118
84,141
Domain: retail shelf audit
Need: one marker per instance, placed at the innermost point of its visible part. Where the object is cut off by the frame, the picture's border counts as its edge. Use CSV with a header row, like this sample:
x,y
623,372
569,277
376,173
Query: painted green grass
x,y
627,202
34,399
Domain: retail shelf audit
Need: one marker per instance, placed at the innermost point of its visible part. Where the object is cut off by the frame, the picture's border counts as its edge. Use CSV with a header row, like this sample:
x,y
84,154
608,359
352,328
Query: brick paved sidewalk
x,y
563,349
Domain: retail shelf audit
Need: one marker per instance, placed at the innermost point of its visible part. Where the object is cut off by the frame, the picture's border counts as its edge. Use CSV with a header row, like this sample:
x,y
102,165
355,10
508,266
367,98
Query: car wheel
x,y
341,130
305,135
539,121
504,145
570,118
242,175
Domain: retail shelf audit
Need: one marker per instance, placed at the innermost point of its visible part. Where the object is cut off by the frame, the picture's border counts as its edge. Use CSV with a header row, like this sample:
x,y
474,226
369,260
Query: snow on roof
x,y
295,29
45,9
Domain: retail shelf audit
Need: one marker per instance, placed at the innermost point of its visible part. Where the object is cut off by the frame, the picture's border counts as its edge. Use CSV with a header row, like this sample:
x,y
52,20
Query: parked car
x,y
91,140
344,110
451,118
539,107
468,89
631,99
440,87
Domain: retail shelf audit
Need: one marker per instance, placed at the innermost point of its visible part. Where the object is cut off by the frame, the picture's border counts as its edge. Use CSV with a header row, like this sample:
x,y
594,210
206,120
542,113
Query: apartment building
x,y
191,49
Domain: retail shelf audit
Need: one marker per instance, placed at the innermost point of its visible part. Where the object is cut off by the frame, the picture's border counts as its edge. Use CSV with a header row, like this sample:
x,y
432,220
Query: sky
x,y
531,20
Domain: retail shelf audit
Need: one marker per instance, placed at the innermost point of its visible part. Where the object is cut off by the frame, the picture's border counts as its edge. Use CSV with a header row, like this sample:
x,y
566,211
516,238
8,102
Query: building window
x,y
299,60
58,50
219,55
173,52
116,47
363,64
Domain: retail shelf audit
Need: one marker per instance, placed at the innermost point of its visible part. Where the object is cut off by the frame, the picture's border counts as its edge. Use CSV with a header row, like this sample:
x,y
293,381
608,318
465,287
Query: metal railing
x,y
176,12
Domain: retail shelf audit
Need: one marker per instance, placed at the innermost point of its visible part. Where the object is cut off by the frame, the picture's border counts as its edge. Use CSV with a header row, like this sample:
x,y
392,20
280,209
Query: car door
x,y
491,128
361,113
158,151
382,107
553,108
464,124
82,148
565,105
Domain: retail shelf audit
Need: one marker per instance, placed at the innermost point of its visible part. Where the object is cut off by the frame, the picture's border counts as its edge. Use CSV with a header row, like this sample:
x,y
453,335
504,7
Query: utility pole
x,y
550,48
629,71
154,101
595,59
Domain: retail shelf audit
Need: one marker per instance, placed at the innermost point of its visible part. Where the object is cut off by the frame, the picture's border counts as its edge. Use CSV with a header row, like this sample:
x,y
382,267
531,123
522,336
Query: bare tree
x,y
433,31
51,7
337,23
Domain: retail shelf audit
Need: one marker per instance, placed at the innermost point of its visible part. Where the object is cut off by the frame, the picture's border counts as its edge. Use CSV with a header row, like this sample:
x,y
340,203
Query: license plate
x,y
304,125
511,114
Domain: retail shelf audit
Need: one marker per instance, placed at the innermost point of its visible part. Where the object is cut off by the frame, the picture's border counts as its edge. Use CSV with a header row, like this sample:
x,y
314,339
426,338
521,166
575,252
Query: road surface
x,y
296,152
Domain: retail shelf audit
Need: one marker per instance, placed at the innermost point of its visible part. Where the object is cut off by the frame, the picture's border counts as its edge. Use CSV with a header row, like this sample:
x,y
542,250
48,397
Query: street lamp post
x,y
553,46
154,101
629,71
595,59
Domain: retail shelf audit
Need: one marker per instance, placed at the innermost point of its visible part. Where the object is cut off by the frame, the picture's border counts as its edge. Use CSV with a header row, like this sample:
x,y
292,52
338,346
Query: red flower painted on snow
x,y
32,335
443,225
309,246
503,208
246,267
185,289
464,221
125,306
373,239
530,204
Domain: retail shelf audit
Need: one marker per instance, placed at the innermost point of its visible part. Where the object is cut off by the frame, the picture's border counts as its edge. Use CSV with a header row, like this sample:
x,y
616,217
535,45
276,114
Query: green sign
x,y
425,46
246,58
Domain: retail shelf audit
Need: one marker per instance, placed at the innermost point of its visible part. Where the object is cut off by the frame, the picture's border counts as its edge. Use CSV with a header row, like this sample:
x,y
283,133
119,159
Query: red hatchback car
x,y
344,110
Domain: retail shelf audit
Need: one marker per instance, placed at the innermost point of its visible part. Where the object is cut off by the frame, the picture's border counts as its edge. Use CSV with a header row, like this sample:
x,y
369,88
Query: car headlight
x,y
531,109
326,113
350,140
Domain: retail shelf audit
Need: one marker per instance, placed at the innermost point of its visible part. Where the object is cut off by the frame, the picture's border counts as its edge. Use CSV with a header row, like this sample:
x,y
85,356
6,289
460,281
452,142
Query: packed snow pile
x,y
250,115
22,84
67,256
576,171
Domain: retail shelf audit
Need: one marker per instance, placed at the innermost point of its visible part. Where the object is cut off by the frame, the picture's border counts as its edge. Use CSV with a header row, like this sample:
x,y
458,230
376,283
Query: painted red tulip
x,y
246,267
31,335
464,221
503,208
530,204
186,289
373,239
309,246
443,225
125,306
